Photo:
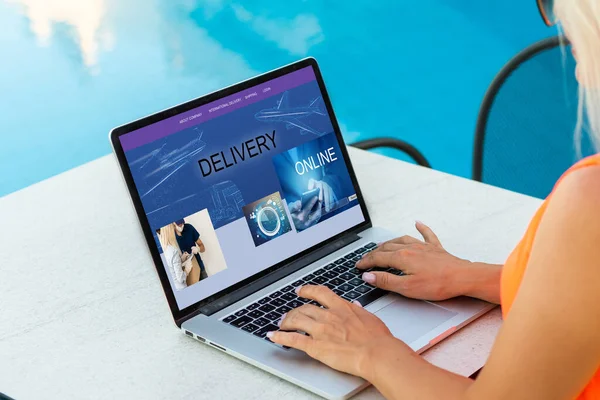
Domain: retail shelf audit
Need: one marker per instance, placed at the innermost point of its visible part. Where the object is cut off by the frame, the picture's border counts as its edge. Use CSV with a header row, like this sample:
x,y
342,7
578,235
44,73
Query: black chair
x,y
396,144
524,138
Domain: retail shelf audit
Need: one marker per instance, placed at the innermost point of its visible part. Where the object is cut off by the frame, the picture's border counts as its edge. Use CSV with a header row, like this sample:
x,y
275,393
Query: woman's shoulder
x,y
584,169
577,195
586,163
583,178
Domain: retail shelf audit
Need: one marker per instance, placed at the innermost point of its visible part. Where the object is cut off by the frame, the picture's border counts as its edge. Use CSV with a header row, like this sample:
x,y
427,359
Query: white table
x,y
82,313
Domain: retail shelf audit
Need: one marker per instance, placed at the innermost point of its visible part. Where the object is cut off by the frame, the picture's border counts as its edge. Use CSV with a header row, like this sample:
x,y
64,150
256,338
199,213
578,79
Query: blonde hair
x,y
580,20
166,237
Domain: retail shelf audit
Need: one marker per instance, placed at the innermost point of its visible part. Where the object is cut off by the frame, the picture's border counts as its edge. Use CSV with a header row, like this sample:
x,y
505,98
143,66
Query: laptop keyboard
x,y
341,276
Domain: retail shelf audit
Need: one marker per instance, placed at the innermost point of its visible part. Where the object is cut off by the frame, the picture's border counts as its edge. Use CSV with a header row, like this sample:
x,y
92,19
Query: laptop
x,y
254,181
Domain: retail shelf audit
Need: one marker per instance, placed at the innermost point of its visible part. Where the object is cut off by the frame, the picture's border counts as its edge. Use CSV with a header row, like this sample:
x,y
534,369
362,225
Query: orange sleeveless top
x,y
514,268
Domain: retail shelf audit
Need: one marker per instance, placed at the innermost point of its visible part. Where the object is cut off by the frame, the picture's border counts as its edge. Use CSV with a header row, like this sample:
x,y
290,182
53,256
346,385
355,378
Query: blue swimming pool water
x,y
417,70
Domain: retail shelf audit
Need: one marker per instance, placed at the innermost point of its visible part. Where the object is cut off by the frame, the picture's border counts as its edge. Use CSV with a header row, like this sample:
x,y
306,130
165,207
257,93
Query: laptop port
x,y
200,338
217,346
189,333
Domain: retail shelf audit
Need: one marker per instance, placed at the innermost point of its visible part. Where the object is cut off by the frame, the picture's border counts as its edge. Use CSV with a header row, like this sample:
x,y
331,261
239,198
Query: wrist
x,y
383,352
461,279
480,280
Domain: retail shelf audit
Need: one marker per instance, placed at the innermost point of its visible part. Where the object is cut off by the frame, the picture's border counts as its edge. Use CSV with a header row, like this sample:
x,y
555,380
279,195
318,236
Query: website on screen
x,y
241,184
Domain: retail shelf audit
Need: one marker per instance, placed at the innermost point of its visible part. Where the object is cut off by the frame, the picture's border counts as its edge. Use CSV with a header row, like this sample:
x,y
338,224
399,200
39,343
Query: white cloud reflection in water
x,y
77,68
297,35
83,16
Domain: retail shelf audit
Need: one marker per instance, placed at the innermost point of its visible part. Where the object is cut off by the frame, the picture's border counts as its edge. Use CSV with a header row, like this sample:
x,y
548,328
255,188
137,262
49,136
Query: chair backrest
x,y
395,144
524,138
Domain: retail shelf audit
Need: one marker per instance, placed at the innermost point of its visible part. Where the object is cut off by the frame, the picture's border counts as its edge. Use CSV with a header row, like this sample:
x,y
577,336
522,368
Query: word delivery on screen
x,y
249,149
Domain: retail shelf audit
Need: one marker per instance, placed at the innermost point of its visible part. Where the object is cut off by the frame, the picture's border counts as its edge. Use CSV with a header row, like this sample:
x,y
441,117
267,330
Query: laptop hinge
x,y
281,273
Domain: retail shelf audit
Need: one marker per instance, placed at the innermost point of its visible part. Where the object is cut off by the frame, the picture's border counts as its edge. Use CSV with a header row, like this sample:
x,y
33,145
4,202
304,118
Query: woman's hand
x,y
343,335
431,273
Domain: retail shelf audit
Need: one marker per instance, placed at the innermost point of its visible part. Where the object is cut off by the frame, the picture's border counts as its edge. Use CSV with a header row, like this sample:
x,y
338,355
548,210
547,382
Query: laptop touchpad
x,y
409,319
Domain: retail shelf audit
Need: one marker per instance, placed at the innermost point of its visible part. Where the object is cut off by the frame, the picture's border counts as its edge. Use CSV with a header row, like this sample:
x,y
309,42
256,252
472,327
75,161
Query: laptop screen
x,y
241,184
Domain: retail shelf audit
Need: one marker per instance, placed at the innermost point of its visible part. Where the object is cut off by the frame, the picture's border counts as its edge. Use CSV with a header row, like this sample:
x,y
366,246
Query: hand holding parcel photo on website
x,y
305,214
327,196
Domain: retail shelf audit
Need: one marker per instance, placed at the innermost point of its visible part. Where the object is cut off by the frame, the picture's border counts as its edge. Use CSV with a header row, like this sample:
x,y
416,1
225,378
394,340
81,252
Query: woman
x,y
549,288
179,265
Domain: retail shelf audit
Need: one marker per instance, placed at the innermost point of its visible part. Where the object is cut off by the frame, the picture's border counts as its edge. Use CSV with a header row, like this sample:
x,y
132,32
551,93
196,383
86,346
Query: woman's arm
x,y
431,273
481,281
548,348
399,373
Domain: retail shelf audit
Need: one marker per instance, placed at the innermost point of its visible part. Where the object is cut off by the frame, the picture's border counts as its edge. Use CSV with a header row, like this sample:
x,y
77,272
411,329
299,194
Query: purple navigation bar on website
x,y
216,109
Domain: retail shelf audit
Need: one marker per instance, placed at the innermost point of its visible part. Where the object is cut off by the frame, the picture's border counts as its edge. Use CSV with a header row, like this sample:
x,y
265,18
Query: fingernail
x,y
368,277
298,290
270,334
419,222
281,320
357,303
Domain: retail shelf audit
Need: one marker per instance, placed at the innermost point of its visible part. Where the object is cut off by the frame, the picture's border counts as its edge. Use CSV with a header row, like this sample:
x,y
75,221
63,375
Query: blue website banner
x,y
226,162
